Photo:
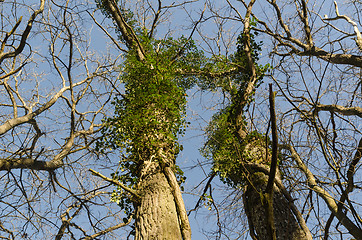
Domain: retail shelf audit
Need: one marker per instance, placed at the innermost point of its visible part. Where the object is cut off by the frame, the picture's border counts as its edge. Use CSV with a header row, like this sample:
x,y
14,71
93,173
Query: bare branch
x,y
110,229
127,31
155,19
127,189
10,124
24,35
349,20
352,111
328,199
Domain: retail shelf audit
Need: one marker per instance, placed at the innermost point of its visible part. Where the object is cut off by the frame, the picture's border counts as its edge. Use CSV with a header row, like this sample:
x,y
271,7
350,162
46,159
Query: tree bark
x,y
286,225
156,214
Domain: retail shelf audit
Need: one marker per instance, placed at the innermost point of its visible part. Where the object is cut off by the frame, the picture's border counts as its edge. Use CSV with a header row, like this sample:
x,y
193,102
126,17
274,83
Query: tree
x,y
148,127
73,102
243,158
319,143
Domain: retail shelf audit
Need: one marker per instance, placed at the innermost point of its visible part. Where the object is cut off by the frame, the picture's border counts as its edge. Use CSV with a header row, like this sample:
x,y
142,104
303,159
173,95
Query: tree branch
x,y
352,111
308,49
274,160
207,185
349,20
24,36
352,167
349,188
28,163
273,167
94,236
115,182
127,32
10,124
328,199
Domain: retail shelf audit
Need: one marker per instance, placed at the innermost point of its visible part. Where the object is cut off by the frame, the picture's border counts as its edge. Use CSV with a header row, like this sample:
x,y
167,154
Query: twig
x,y
130,190
349,20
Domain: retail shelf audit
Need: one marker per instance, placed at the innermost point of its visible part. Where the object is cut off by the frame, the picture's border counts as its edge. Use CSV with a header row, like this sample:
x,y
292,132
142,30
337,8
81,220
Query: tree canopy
x,y
97,96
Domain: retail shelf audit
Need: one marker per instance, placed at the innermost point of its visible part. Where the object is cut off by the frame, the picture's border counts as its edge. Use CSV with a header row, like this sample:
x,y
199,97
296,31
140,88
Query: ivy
x,y
227,152
150,115
223,147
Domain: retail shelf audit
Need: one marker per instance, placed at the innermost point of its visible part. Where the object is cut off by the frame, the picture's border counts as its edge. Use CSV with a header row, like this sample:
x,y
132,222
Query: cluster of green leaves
x,y
234,84
151,112
223,146
123,200
226,151
239,58
149,116
211,79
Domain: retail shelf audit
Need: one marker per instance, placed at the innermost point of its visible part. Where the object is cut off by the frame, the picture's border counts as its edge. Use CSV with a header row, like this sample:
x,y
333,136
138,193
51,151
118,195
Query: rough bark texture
x,y
286,224
156,216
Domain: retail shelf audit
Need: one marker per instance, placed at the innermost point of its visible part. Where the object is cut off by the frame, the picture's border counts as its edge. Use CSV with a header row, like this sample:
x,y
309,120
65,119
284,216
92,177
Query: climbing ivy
x,y
228,154
223,147
150,116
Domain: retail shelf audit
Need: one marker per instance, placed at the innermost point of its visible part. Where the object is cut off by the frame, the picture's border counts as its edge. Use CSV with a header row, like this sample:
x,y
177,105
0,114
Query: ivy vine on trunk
x,y
242,157
147,121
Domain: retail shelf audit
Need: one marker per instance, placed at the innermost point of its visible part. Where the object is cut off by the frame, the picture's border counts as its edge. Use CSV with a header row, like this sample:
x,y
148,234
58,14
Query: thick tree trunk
x,y
156,214
286,225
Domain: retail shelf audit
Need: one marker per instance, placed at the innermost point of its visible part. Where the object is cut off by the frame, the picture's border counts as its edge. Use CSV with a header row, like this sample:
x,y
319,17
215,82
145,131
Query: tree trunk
x,y
156,215
286,225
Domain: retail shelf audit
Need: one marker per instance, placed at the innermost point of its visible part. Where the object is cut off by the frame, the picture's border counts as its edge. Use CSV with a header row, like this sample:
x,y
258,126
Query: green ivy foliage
x,y
235,83
227,152
151,112
150,115
223,147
